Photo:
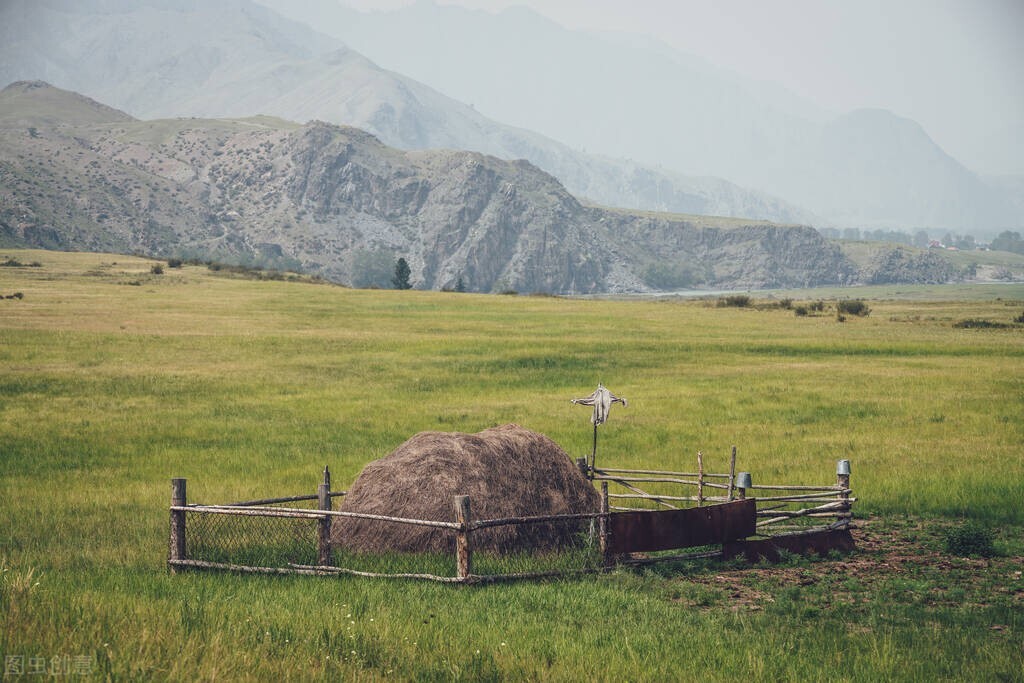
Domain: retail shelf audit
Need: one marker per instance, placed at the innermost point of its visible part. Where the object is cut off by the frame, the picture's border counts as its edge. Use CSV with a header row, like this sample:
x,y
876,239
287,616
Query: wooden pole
x,y
463,539
324,524
707,475
732,472
700,479
843,480
581,463
607,561
177,541
327,477
593,453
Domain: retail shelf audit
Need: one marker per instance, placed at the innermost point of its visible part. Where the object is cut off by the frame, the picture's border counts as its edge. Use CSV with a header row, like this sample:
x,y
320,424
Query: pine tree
x,y
402,272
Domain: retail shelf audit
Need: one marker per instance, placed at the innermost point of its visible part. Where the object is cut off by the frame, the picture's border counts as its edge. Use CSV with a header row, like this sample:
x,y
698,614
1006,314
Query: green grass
x,y
108,389
1005,259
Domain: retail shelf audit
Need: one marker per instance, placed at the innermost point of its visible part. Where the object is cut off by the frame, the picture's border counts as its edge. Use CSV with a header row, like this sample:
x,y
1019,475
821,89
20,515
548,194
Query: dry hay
x,y
506,471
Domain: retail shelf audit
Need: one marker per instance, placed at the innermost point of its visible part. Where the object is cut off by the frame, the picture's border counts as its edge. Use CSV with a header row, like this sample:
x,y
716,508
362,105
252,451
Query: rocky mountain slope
x,y
168,58
335,201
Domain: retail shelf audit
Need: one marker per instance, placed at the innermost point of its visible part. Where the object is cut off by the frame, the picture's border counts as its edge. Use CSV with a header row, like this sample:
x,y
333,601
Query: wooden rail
x,y
507,521
609,470
285,499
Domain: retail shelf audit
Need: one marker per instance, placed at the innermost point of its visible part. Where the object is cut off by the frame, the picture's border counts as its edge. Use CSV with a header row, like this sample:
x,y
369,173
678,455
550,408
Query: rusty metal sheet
x,y
819,542
649,530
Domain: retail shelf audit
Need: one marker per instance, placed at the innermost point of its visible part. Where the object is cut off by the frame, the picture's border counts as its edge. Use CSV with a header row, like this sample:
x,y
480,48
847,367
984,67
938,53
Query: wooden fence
x,y
778,505
624,535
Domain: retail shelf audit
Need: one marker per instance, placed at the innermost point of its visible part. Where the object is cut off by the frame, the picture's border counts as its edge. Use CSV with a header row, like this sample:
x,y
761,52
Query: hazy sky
x,y
955,66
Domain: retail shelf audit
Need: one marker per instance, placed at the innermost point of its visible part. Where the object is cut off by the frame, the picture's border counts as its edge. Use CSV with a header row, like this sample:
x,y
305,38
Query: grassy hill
x,y
115,378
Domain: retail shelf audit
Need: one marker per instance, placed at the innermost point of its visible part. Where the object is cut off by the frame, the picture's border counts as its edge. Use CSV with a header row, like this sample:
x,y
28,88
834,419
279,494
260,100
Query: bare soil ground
x,y
902,561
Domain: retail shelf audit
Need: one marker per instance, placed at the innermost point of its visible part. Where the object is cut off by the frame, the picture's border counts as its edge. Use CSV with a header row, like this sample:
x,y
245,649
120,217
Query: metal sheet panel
x,y
650,530
819,542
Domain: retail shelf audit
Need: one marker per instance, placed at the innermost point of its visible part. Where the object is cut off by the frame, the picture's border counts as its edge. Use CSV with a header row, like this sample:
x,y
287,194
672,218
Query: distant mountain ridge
x,y
335,201
631,98
167,58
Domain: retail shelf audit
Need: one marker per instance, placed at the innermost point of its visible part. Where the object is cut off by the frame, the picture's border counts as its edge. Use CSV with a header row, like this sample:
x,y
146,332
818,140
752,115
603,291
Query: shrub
x,y
800,310
817,306
975,323
671,276
786,303
1019,318
853,307
735,300
157,269
372,269
11,262
174,263
970,538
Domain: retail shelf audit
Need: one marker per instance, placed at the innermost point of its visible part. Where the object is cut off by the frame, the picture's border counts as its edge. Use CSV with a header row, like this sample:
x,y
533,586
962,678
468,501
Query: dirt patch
x,y
902,562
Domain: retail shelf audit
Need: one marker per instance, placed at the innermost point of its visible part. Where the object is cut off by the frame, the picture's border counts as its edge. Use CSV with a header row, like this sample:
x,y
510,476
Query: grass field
x,y
114,379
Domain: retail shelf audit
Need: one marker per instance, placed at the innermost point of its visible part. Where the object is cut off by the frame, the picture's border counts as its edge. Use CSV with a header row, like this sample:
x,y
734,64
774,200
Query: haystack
x,y
506,471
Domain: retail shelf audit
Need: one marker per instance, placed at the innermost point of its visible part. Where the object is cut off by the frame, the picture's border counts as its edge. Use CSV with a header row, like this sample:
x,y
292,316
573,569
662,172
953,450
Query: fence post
x,y
700,479
843,480
607,560
463,539
177,543
581,463
324,523
743,482
732,473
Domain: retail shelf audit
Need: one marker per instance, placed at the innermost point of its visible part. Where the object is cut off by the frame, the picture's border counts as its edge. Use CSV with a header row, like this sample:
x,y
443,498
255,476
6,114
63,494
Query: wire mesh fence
x,y
260,536
269,539
252,540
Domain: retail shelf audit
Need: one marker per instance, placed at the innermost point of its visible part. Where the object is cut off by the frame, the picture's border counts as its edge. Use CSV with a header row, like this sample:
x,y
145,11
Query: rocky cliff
x,y
335,201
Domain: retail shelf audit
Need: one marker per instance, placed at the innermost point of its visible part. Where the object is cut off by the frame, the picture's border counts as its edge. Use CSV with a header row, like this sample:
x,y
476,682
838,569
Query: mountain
x,y
145,56
884,170
167,58
627,97
610,95
335,201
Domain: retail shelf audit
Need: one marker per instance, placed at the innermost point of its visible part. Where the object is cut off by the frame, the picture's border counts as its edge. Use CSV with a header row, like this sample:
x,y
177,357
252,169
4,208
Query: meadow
x,y
114,379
